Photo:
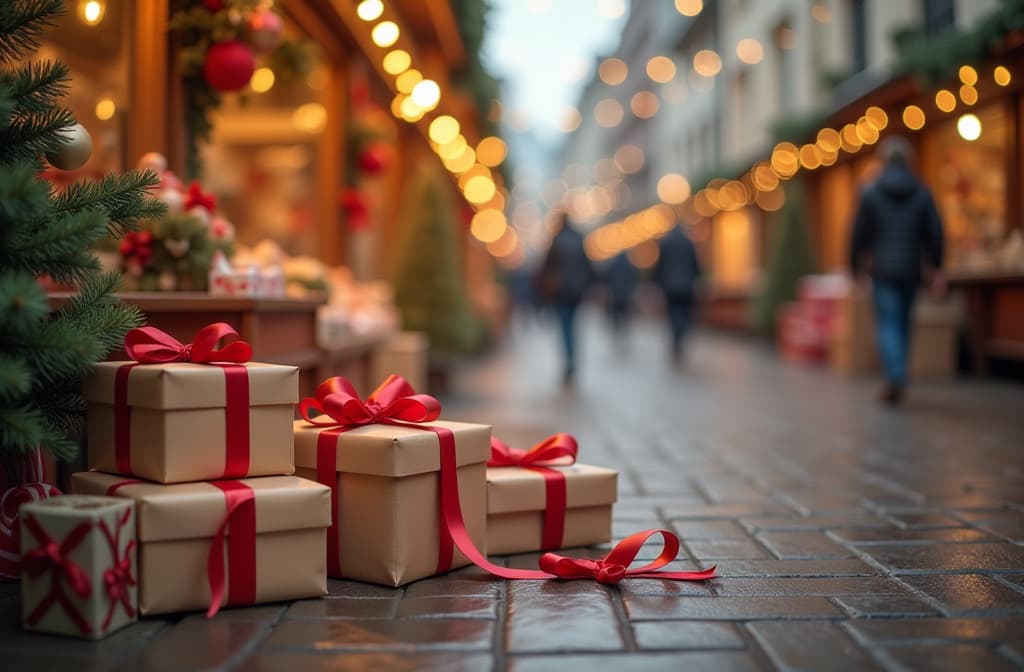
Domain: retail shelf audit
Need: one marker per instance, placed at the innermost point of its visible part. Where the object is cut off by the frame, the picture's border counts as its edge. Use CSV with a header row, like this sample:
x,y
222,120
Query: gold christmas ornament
x,y
75,152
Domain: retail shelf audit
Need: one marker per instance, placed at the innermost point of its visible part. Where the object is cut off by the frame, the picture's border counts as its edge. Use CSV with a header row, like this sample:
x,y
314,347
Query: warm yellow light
x,y
410,110
945,100
828,139
968,75
262,80
673,188
629,158
426,94
968,94
491,151
849,141
612,71
644,104
809,157
785,159
969,127
689,7
473,171
570,120
608,113
1001,75
749,51
707,63
368,10
764,178
396,62
488,226
105,109
385,33
913,117
463,162
661,69
505,245
407,80
770,201
444,129
821,12
452,148
92,11
866,131
311,117
644,255
479,189
877,117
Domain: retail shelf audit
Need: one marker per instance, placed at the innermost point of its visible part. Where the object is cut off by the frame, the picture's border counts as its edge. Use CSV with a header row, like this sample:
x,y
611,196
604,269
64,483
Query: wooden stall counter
x,y
995,309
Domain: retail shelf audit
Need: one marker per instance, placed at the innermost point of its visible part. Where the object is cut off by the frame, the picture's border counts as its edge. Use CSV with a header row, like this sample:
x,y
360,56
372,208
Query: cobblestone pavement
x,y
847,536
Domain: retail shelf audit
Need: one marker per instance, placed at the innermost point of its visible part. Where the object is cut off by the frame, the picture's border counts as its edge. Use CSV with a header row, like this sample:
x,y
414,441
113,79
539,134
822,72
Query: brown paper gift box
x,y
516,500
102,611
178,422
388,484
177,522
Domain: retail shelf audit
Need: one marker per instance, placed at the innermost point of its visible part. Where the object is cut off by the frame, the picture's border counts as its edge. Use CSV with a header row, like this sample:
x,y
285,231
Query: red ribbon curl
x,y
149,345
55,557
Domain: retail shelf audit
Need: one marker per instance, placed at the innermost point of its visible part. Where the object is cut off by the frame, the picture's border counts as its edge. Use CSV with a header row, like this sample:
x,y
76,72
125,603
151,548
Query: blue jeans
x,y
894,304
566,313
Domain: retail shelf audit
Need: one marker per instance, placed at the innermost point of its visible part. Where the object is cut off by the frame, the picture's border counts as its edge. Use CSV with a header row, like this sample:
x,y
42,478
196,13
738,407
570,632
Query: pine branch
x,y
23,306
22,23
24,199
58,353
21,428
29,136
98,314
55,243
36,86
122,197
15,379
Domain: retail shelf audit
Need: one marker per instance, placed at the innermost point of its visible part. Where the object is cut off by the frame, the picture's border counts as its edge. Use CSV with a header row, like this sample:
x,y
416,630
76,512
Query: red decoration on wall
x,y
356,207
197,197
229,65
374,159
213,5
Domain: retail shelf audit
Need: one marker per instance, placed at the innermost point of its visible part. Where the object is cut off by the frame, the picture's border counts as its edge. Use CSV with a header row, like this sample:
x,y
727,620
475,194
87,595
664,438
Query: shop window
x,y
938,15
968,178
92,38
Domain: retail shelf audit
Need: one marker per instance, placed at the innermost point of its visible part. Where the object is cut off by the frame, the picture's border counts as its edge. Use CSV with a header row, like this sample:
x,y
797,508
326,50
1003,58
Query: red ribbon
x,y
51,556
118,578
556,450
337,398
149,345
241,517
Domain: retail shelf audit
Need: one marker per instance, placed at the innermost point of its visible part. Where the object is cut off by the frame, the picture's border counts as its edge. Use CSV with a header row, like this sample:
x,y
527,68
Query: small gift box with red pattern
x,y
228,542
392,466
78,570
541,500
190,412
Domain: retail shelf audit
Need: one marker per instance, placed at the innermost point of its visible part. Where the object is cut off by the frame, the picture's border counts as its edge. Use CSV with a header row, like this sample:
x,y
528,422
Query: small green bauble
x,y
75,152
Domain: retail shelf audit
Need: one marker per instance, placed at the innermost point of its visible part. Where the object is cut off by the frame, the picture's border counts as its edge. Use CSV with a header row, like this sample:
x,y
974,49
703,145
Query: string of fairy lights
x,y
416,100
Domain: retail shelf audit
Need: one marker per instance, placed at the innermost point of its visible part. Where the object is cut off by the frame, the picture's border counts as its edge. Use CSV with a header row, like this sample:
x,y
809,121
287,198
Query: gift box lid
x,y
182,385
513,489
75,505
390,450
196,510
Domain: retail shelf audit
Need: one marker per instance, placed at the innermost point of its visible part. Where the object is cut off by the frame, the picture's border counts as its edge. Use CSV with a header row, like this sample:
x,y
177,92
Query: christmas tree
x,y
430,288
44,353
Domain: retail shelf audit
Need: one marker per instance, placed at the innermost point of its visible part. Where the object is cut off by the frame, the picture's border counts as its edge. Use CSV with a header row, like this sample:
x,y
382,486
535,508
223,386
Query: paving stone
x,y
199,645
363,662
449,586
831,567
344,588
792,545
967,592
570,622
31,651
715,511
951,535
676,635
948,658
344,607
811,645
650,607
403,635
719,549
808,586
927,630
801,523
921,521
448,607
709,529
724,661
884,606
922,559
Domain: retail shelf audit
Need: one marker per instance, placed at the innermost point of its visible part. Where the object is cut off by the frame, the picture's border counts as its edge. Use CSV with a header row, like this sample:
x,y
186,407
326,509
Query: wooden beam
x,y
149,129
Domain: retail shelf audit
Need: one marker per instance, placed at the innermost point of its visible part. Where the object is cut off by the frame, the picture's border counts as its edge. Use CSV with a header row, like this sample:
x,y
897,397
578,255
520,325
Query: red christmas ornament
x,y
213,5
197,197
229,65
137,246
356,207
265,30
374,159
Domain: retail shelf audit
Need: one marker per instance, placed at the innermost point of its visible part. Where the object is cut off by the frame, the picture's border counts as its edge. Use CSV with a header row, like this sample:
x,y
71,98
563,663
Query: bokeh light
x,y
661,69
749,51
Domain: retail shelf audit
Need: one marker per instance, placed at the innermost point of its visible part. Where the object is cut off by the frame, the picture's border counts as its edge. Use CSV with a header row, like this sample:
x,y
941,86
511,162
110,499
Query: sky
x,y
545,51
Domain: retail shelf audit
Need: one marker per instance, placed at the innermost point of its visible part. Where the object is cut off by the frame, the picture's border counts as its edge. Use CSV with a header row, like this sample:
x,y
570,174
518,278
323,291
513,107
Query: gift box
x,y
180,422
518,508
78,565
386,480
234,542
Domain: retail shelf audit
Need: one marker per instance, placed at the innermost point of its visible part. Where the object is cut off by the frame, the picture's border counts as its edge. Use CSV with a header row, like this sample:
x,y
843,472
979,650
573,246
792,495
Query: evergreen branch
x,y
21,428
24,199
56,240
99,314
27,137
122,197
15,378
22,23
23,307
36,86
58,352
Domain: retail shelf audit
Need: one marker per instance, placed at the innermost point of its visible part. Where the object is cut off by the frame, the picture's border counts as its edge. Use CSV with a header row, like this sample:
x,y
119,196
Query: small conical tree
x,y
792,258
44,353
430,287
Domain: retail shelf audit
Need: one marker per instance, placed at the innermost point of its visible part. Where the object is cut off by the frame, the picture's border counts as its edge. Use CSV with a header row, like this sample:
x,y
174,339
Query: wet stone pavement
x,y
847,536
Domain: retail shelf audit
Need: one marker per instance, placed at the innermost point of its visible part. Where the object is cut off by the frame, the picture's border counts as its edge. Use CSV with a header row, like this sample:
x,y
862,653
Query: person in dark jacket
x,y
564,277
620,277
676,272
897,226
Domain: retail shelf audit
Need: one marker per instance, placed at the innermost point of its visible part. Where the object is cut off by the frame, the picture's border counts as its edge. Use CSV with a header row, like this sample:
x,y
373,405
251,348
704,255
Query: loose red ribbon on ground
x,y
241,517
396,403
118,578
556,450
149,345
54,557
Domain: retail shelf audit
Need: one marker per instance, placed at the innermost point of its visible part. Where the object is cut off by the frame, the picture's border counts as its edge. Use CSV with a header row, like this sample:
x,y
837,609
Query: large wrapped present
x,y
541,500
190,412
381,458
78,565
233,542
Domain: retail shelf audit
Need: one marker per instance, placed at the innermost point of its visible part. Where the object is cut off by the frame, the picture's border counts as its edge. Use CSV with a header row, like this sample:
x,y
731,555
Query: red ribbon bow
x,y
118,578
54,557
196,197
614,566
149,345
394,400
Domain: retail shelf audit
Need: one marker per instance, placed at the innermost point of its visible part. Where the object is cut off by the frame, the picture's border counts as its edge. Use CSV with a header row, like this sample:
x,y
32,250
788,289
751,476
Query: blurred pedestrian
x,y
620,278
563,278
897,227
676,272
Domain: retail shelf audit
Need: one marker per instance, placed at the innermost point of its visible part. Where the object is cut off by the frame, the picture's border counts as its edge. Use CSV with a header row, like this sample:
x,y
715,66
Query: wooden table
x,y
995,315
